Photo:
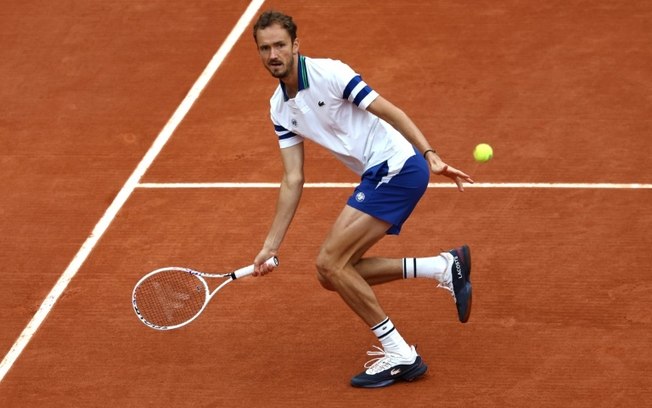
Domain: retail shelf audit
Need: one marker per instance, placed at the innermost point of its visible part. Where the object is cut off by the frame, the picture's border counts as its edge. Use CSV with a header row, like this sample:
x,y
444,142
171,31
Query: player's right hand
x,y
260,267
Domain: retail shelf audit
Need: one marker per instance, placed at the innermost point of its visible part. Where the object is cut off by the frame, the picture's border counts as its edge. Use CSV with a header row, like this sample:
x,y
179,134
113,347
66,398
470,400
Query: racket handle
x,y
248,270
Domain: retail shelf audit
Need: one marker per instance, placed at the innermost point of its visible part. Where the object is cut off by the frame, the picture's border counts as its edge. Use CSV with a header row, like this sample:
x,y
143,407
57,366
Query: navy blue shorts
x,y
392,200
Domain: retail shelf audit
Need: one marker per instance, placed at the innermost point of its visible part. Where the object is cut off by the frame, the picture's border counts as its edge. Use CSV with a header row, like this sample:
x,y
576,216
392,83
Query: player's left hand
x,y
458,176
440,168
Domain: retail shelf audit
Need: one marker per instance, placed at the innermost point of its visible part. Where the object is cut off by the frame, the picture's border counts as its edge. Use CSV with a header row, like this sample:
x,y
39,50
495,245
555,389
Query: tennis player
x,y
326,101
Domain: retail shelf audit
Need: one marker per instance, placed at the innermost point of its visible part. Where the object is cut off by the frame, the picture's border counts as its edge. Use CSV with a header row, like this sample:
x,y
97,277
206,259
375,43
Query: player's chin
x,y
277,72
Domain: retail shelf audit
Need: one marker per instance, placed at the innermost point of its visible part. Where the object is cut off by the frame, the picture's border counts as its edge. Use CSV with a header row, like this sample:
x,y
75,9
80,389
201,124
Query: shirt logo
x,y
359,197
294,122
321,103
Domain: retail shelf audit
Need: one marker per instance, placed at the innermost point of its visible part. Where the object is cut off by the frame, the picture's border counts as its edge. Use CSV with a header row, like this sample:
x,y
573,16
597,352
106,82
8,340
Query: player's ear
x,y
295,46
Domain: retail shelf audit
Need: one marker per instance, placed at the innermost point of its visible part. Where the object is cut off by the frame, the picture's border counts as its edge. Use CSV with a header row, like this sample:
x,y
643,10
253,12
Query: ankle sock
x,y
391,339
436,267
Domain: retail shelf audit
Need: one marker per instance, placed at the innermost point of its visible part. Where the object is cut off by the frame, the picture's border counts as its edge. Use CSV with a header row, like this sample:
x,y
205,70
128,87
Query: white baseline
x,y
617,186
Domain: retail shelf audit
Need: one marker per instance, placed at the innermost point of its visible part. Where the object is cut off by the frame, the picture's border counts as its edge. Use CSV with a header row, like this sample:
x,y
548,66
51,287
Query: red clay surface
x,y
562,292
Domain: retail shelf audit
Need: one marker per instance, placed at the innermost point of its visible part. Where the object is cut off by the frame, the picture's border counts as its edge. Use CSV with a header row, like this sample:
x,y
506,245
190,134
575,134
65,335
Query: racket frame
x,y
237,274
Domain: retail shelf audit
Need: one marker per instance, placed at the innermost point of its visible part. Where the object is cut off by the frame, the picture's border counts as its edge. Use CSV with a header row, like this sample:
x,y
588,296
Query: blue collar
x,y
303,77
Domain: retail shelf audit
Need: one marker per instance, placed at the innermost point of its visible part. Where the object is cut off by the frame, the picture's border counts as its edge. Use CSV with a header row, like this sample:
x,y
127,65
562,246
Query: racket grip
x,y
248,270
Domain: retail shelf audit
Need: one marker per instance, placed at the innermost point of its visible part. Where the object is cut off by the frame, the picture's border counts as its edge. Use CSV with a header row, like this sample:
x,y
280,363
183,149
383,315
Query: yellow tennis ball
x,y
483,152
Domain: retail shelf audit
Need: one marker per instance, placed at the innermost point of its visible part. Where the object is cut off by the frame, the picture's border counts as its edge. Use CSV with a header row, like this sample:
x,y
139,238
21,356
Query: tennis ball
x,y
483,152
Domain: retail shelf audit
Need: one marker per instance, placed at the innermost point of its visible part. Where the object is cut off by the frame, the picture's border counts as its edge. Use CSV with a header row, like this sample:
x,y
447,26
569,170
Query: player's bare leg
x,y
353,233
356,232
378,270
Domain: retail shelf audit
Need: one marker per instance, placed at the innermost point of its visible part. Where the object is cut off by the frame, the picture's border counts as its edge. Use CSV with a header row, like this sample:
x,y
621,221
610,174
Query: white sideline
x,y
128,188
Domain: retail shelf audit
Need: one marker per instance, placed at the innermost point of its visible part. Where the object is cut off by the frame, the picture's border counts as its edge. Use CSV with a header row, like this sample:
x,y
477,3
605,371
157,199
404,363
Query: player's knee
x,y
325,271
324,283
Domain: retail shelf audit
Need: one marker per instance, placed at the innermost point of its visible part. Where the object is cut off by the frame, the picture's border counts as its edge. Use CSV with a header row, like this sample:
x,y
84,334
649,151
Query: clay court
x,y
112,165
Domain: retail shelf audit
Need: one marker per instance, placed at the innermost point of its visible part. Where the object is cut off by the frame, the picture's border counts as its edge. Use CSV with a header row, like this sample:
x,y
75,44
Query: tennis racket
x,y
171,297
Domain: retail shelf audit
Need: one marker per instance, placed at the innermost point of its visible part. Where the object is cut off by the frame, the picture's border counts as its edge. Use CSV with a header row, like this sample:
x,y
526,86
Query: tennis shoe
x,y
460,287
388,368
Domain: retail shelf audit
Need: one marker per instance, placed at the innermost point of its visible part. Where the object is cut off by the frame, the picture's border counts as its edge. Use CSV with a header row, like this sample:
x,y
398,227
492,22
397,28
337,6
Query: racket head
x,y
169,298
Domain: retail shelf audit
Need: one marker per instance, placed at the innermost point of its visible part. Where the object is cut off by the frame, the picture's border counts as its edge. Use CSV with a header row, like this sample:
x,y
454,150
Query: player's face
x,y
277,50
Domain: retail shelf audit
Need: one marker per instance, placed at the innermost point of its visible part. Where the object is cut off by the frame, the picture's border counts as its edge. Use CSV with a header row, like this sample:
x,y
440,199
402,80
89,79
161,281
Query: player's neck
x,y
291,80
291,84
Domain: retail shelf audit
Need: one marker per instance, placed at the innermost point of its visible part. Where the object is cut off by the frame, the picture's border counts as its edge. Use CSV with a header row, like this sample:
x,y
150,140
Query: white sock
x,y
391,339
436,267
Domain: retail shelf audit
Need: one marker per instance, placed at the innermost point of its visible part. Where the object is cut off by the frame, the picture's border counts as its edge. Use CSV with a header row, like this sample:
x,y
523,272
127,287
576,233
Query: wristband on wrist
x,y
428,151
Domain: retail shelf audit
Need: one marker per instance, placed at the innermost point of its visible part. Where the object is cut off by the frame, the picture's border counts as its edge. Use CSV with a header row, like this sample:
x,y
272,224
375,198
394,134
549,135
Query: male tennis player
x,y
327,102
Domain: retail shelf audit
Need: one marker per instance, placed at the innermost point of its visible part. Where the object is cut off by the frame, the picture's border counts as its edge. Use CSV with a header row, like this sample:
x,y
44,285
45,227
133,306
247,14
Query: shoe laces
x,y
448,285
384,361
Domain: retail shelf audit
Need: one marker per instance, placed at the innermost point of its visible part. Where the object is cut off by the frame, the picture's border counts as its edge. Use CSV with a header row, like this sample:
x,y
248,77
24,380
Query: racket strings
x,y
170,298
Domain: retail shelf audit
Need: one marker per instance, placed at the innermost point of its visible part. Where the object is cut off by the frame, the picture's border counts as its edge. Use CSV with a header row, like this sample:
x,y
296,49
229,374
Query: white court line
x,y
128,188
616,186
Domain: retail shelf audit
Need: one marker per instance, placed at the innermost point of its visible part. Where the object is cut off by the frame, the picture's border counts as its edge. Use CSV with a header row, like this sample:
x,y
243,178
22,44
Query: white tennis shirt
x,y
330,109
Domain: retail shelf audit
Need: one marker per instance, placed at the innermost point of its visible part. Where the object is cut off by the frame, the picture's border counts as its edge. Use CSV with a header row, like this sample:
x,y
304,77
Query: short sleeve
x,y
286,138
349,85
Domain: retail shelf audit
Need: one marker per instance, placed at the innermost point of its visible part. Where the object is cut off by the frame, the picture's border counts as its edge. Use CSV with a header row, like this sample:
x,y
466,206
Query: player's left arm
x,y
391,114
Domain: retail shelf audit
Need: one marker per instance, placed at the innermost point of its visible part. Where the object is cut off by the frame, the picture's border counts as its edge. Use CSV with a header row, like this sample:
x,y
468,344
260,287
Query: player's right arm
x,y
286,205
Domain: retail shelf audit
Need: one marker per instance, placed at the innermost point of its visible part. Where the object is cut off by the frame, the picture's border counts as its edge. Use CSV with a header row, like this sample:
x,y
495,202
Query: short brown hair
x,y
276,17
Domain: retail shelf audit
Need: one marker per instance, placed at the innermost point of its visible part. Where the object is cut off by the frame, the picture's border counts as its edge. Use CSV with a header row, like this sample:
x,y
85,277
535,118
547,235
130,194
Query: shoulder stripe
x,y
351,85
361,95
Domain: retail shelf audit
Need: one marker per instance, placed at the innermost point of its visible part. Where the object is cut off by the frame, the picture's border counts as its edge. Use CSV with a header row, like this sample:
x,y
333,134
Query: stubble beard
x,y
283,73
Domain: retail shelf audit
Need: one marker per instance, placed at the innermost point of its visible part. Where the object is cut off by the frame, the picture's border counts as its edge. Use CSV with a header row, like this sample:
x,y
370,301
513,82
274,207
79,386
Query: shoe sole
x,y
467,255
468,289
466,252
416,373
